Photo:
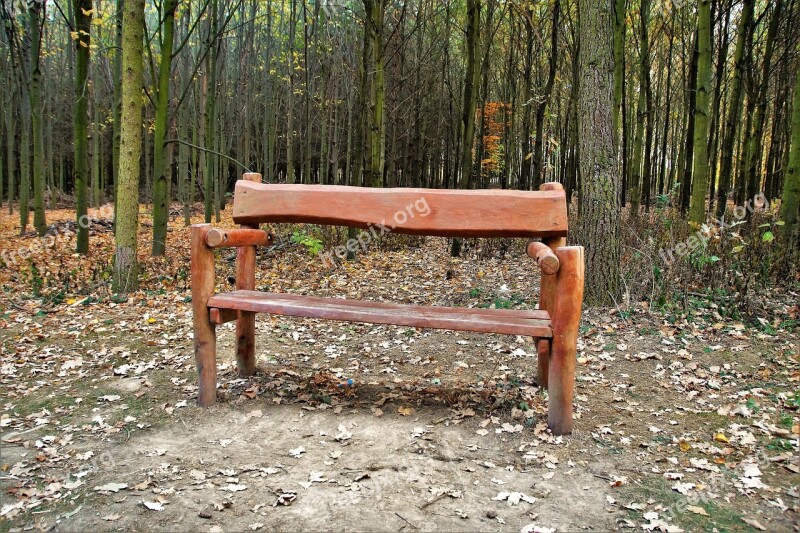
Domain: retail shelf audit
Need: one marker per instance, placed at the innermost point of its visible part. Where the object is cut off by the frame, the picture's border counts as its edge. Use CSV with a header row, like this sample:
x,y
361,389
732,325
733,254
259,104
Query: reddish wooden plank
x,y
437,212
459,319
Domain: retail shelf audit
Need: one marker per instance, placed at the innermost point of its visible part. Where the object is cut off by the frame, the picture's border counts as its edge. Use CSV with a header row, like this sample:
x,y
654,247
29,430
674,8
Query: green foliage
x,y
312,244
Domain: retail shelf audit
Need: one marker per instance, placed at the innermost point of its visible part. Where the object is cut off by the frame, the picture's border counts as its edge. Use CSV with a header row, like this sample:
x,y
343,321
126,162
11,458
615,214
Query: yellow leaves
x,y
151,320
720,437
89,13
405,411
74,35
685,446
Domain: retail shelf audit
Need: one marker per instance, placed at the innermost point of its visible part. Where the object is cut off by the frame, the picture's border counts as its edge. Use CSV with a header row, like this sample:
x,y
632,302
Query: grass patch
x,y
719,516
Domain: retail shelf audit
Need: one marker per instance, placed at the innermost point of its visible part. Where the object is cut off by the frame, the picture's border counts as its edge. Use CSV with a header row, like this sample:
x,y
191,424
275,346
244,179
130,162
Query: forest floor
x,y
685,419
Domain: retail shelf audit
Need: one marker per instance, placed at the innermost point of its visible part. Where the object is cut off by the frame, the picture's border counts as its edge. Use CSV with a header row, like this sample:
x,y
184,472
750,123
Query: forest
x,y
453,94
673,128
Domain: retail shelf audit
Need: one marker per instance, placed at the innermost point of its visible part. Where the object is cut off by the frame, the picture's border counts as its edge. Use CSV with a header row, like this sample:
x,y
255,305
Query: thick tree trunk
x,y
125,265
600,181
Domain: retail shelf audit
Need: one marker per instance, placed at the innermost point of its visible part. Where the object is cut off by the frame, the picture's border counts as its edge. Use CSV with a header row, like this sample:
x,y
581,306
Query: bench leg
x,y
565,320
246,344
546,299
543,360
246,281
205,336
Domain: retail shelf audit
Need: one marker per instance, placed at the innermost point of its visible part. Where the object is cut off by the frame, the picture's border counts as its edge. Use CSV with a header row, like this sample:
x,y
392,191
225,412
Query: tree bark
x,y
600,181
160,196
80,131
700,174
734,107
125,265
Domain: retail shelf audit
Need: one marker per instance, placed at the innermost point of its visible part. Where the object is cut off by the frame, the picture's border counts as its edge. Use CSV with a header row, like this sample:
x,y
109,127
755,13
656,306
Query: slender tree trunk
x,y
125,265
35,21
541,109
619,67
290,177
117,97
755,141
209,181
377,135
642,111
790,200
471,80
600,181
80,128
734,107
700,174
160,196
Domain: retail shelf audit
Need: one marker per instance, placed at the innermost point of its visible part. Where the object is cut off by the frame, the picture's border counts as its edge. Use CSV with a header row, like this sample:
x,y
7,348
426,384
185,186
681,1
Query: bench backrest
x,y
434,212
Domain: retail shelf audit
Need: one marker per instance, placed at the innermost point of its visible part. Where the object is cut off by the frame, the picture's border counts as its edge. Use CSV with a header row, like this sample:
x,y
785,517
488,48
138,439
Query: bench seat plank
x,y
529,323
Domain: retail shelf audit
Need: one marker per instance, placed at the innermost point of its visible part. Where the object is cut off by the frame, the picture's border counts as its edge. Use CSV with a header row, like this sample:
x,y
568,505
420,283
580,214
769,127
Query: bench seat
x,y
506,321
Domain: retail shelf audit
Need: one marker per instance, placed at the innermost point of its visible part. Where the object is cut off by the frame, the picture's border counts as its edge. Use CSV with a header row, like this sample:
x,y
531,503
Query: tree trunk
x,y
734,107
600,181
125,266
377,92
209,181
755,141
790,200
35,21
544,99
700,174
642,111
160,195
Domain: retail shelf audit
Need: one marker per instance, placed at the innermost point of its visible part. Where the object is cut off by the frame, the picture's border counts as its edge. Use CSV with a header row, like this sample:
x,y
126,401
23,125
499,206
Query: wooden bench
x,y
448,213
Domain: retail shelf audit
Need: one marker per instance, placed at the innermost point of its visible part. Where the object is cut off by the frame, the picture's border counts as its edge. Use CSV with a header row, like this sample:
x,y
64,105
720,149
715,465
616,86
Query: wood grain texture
x,y
544,257
542,362
246,280
205,338
566,317
548,287
233,238
222,316
530,323
435,212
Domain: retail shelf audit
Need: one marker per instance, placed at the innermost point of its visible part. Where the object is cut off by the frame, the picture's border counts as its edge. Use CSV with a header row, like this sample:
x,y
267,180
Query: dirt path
x,y
684,420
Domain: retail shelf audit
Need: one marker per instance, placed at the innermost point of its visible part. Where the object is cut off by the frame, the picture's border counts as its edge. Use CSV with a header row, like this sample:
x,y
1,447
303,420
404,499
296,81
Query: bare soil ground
x,y
684,420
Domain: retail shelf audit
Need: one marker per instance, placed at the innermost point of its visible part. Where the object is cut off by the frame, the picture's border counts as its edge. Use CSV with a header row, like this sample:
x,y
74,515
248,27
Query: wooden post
x,y
205,338
547,294
246,280
565,320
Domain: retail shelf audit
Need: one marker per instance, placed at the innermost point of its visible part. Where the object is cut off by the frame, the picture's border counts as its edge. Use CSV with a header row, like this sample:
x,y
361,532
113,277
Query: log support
x,y
565,320
205,338
246,280
548,291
